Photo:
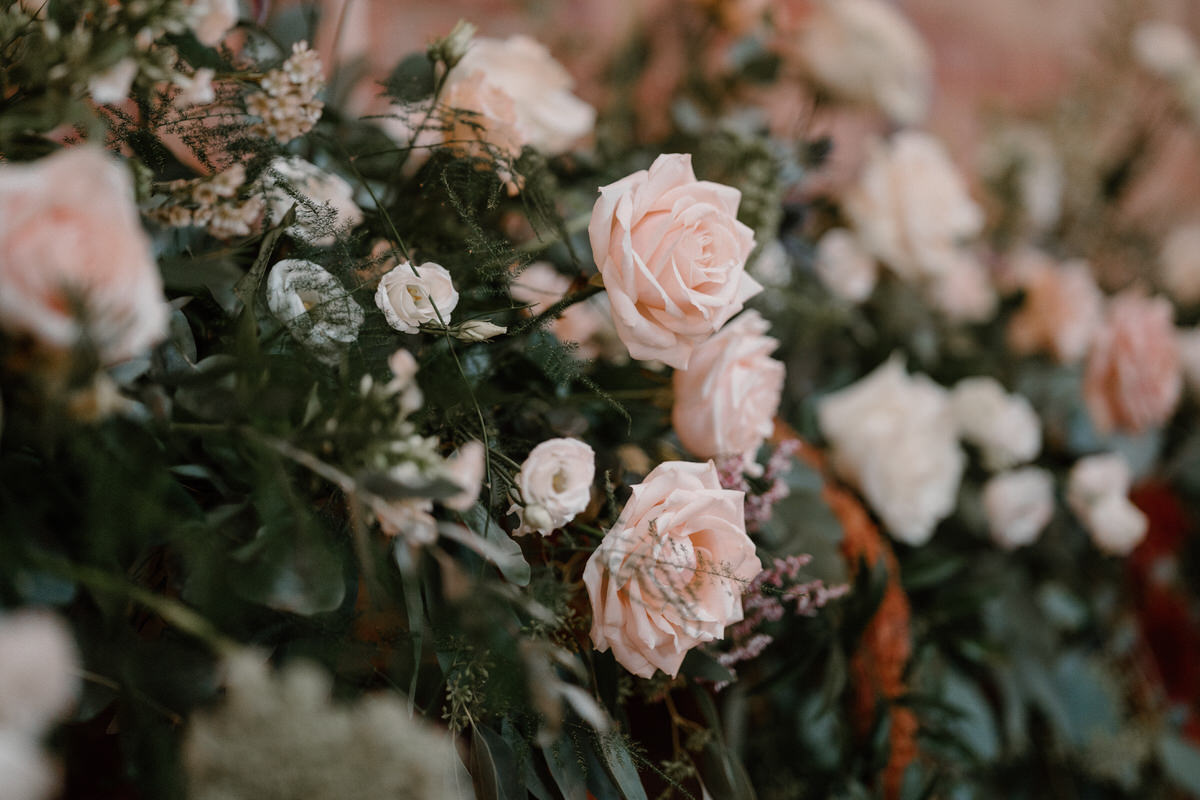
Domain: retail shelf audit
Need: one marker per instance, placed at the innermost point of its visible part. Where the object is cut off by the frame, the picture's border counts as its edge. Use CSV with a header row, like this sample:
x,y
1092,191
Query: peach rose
x,y
725,401
910,207
670,573
1133,378
75,264
1062,310
522,96
673,257
866,52
555,483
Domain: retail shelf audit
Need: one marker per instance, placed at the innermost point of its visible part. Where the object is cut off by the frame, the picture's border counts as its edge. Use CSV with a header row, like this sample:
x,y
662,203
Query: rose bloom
x,y
725,401
324,202
1095,477
893,437
75,263
555,483
866,52
669,574
1133,379
1062,311
210,20
844,267
1116,525
1003,426
411,297
541,286
1019,505
910,207
673,257
1179,264
314,307
522,96
964,293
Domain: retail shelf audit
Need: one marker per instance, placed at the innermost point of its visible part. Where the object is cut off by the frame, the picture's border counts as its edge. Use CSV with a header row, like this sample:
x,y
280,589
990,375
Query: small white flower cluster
x,y
212,203
288,103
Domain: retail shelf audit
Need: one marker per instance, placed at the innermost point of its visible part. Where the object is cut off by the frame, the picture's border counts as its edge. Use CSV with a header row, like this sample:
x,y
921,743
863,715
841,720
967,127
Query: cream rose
x,y
670,573
1019,505
725,401
673,257
844,267
555,483
521,93
411,297
315,308
1133,379
867,52
1003,426
910,207
75,263
324,202
894,438
1116,525
1093,478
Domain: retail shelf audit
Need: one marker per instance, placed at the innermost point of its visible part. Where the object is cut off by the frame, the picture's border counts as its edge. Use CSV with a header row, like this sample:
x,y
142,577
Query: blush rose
x,y
670,573
673,258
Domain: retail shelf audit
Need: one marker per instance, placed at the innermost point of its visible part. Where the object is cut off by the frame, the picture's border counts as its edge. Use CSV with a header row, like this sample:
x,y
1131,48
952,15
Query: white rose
x,y
867,52
1019,505
1116,525
1003,426
893,436
314,306
910,207
112,85
324,202
844,267
1179,264
410,297
555,483
544,113
1094,478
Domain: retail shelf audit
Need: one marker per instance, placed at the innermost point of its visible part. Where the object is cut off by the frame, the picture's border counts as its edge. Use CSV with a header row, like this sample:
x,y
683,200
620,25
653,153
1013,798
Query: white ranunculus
x,y
314,307
410,297
1116,525
844,267
893,436
324,202
911,208
1003,426
555,483
1019,505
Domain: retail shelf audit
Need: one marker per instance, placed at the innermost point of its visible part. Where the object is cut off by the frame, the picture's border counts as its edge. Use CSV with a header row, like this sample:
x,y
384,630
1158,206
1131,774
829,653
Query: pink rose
x,y
673,257
75,263
1062,310
1133,379
670,573
725,401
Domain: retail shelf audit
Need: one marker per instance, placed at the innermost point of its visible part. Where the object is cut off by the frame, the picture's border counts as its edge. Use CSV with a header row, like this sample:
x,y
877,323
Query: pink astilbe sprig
x,y
760,505
767,599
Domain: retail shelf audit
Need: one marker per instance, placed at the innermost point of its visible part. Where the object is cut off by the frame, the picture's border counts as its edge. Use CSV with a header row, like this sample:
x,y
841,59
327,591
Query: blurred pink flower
x,y
1133,379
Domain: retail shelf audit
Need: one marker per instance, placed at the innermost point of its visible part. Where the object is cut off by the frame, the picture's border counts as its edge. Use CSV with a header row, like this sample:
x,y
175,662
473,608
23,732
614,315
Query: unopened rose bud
x,y
478,330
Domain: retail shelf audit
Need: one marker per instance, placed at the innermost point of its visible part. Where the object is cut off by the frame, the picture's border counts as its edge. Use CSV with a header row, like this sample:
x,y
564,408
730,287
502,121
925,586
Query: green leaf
x,y
700,664
565,769
507,555
1180,762
412,79
493,766
974,725
619,762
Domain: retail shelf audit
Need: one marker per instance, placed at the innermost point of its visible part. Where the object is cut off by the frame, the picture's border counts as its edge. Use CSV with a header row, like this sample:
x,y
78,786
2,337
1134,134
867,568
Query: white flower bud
x,y
478,330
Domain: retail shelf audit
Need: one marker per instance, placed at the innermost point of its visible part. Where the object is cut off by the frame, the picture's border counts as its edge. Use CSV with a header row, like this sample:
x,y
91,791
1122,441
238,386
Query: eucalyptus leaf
x,y
563,762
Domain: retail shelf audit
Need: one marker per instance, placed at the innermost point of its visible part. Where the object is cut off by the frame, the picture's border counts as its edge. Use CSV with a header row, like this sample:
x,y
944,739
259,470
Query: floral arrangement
x,y
475,423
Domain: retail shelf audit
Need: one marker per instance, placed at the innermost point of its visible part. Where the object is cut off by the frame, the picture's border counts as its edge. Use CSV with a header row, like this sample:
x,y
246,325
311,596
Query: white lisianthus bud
x,y
1019,504
478,330
410,297
453,46
1116,525
555,483
112,85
